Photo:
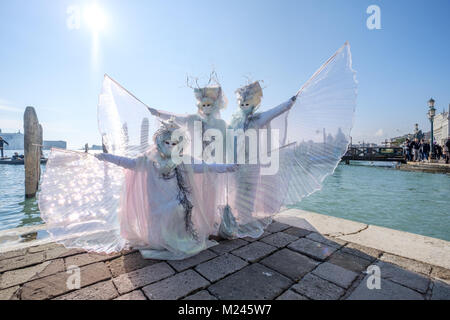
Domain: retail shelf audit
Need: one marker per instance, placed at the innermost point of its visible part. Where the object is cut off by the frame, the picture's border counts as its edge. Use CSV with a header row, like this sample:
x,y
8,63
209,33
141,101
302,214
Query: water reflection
x,y
15,209
30,212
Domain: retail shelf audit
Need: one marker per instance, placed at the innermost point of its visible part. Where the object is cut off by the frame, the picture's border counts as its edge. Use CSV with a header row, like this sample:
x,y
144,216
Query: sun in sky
x,y
95,17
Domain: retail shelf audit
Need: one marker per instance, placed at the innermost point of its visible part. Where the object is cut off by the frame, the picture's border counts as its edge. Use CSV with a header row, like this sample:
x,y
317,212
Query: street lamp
x,y
431,114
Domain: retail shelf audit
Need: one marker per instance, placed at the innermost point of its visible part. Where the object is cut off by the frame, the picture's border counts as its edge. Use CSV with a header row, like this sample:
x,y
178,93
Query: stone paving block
x,y
21,261
201,295
228,245
349,261
176,287
55,285
311,248
12,254
254,251
181,265
404,277
336,243
100,291
88,258
441,273
405,263
254,282
45,247
135,279
367,253
297,232
9,294
55,266
279,239
277,227
291,295
61,252
133,295
128,263
388,291
289,263
220,267
441,291
250,239
316,288
335,274
19,276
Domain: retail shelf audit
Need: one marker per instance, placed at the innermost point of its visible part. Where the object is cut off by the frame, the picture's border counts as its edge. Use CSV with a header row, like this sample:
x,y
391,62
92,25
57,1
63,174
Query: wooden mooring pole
x,y
32,147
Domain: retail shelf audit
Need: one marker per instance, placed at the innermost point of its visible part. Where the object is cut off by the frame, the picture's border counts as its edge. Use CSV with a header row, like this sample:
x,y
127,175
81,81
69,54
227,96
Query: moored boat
x,y
18,161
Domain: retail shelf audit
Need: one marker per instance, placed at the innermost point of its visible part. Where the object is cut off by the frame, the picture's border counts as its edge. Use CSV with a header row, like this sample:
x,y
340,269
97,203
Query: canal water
x,y
415,202
409,201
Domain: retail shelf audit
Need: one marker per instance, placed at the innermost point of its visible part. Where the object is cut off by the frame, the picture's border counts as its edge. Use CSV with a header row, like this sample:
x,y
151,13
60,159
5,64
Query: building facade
x,y
15,141
441,127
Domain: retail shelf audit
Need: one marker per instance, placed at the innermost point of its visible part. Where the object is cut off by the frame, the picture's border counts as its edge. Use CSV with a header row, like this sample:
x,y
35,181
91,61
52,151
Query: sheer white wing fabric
x,y
125,124
81,197
79,201
103,207
313,136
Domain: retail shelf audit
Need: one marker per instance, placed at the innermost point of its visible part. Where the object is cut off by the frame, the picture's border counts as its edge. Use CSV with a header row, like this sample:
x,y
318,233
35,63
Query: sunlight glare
x,y
95,17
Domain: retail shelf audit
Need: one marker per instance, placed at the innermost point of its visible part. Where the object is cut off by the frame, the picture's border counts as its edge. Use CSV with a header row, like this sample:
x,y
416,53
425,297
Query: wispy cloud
x,y
10,109
8,106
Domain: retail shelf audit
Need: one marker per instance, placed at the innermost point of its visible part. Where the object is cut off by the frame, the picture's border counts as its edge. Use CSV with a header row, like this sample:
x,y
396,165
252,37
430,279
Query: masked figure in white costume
x,y
207,133
293,134
245,182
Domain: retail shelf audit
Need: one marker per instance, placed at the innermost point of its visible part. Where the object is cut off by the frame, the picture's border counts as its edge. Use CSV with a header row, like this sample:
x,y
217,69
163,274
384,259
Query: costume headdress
x,y
251,92
168,126
211,92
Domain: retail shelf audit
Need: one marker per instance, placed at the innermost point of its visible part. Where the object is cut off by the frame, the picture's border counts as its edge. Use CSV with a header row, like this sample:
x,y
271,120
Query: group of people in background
x,y
416,150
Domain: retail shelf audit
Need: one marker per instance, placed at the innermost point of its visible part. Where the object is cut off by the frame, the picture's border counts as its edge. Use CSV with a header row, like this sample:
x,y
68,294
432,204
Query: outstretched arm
x,y
267,116
214,167
181,119
123,162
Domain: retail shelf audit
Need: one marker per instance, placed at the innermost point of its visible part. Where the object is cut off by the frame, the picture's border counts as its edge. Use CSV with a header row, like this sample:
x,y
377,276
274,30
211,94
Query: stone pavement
x,y
286,263
430,167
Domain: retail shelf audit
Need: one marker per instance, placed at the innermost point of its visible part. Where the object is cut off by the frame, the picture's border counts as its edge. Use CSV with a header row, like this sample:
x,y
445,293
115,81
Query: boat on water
x,y
18,161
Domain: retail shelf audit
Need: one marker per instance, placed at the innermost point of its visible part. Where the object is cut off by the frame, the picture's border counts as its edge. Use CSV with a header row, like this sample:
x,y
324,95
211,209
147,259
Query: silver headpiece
x,y
251,92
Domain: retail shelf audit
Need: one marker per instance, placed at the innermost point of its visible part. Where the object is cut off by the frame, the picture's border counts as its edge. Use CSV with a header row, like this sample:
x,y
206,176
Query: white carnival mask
x,y
164,138
249,97
209,99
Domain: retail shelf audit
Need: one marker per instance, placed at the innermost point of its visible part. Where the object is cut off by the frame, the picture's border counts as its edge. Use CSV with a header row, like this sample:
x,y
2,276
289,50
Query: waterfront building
x,y
441,127
15,141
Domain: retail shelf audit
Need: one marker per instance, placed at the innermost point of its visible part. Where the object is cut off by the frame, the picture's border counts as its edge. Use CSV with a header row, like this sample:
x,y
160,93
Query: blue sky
x,y
150,47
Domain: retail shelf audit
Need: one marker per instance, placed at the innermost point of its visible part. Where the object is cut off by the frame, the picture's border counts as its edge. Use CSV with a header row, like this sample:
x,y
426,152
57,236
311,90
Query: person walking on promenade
x,y
438,151
415,146
407,147
447,150
421,150
2,142
426,150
